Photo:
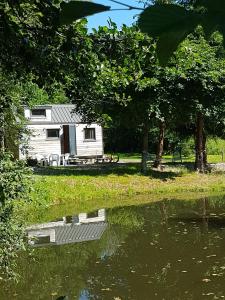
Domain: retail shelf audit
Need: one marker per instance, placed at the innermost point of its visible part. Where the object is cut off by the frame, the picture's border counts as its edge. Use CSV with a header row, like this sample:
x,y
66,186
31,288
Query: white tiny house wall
x,y
39,144
44,119
89,147
56,117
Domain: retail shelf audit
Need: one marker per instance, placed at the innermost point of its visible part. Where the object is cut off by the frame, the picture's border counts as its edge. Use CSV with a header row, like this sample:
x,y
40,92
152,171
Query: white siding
x,y
89,148
47,118
39,144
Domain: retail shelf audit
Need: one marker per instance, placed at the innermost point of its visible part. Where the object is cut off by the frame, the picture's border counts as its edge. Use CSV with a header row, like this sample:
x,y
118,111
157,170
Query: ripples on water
x,y
166,250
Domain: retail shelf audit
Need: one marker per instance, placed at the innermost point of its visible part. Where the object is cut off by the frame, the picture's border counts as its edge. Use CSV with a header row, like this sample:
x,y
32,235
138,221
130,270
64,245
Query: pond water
x,y
165,250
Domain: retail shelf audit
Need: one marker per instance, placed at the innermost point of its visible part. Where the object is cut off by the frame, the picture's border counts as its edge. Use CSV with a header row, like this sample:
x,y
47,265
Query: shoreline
x,y
56,194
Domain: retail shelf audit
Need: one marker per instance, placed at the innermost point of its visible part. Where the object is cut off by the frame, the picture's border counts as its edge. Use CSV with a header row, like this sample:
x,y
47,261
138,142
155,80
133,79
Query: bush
x,y
215,145
15,184
188,147
15,179
11,241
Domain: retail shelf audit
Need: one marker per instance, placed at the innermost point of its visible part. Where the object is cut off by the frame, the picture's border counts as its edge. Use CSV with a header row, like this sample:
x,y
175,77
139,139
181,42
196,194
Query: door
x,y
65,144
72,139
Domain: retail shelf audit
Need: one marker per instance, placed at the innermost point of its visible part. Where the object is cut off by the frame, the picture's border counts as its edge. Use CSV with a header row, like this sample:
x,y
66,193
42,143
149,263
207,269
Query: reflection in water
x,y
67,230
167,250
84,295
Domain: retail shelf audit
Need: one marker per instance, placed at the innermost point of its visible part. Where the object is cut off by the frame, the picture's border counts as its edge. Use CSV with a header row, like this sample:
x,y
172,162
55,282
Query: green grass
x,y
129,157
75,189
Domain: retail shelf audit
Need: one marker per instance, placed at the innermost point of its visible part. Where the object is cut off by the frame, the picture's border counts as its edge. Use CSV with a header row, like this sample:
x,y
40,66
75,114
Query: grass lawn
x,y
87,188
136,157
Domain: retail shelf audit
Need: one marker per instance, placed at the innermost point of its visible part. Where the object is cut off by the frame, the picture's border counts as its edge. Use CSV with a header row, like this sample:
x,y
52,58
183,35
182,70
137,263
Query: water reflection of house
x,y
72,229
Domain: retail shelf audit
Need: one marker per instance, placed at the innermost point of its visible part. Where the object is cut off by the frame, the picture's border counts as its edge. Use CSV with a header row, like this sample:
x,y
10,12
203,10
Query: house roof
x,y
60,114
79,233
70,233
65,114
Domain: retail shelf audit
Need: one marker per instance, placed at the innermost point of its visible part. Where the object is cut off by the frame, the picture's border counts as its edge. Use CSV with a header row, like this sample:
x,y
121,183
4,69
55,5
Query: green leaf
x,y
158,19
171,24
214,16
216,6
168,43
75,10
209,25
222,31
213,12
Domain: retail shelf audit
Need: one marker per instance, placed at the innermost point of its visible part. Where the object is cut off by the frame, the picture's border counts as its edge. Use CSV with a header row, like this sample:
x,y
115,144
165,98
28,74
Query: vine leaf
x,y
169,23
75,10
214,16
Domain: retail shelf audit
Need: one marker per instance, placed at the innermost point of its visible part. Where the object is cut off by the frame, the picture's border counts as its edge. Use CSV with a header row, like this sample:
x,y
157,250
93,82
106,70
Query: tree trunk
x,y
158,159
145,147
200,144
204,150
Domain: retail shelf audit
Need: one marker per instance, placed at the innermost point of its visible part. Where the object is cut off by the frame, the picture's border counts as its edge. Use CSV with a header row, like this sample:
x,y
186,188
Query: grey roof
x,y
68,234
79,233
64,114
60,114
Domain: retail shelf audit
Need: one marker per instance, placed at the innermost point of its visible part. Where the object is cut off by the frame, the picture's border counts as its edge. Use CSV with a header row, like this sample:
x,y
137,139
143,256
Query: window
x,y
40,240
93,214
52,133
38,113
89,133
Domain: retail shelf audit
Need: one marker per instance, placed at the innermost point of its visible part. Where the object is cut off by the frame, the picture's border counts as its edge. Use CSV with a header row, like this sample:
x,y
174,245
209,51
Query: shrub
x,y
15,184
188,147
215,145
15,179
11,241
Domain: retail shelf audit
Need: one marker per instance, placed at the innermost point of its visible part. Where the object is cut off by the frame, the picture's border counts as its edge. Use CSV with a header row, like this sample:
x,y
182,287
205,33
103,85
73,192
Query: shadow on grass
x,y
188,165
120,169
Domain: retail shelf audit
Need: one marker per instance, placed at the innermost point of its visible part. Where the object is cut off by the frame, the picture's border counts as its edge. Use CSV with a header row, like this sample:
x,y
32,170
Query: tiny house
x,y
57,129
79,228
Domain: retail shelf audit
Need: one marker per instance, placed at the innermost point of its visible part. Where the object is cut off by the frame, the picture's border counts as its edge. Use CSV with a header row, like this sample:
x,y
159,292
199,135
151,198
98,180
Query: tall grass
x,y
85,190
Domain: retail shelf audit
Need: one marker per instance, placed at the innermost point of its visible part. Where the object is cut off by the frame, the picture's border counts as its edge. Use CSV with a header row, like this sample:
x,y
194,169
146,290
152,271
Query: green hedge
x,y
215,146
15,184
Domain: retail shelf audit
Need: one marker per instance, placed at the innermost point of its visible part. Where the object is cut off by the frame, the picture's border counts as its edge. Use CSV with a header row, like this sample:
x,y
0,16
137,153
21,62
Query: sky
x,y
119,17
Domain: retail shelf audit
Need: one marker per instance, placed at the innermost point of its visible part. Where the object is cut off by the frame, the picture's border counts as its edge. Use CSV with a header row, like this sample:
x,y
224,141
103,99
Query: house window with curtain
x,y
89,134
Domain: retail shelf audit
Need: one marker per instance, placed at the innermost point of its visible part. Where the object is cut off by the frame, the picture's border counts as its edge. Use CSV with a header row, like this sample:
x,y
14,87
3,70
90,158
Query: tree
x,y
121,80
197,83
172,23
169,21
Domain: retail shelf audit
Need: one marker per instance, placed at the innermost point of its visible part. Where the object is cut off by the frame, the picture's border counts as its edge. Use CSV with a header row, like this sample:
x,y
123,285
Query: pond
x,y
165,250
